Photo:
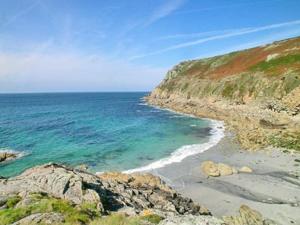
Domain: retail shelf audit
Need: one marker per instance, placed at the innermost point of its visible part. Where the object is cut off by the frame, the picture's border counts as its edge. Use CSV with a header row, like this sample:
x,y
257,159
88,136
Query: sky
x,y
126,45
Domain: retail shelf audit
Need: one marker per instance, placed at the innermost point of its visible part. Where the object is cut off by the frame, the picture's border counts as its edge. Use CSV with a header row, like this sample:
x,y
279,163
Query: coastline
x,y
217,133
224,195
272,189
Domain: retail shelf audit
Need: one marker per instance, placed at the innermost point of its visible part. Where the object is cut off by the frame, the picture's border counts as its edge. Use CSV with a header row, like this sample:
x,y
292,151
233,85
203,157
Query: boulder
x,y
210,169
110,192
245,169
225,169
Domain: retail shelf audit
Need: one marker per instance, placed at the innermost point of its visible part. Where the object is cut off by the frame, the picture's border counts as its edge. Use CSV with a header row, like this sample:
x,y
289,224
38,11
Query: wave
x,y
217,133
143,103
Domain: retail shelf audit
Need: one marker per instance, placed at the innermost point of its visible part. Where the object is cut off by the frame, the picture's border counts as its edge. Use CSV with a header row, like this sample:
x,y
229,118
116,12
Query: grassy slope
x,y
269,71
264,74
84,214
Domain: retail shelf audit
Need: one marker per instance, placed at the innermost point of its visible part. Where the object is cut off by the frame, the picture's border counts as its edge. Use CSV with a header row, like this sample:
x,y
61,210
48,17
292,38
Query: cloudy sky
x,y
126,45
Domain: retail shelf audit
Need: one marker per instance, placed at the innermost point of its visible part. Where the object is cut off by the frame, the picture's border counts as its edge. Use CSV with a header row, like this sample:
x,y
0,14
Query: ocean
x,y
105,131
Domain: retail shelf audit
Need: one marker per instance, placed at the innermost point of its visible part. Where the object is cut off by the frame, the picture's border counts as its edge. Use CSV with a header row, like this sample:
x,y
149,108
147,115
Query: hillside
x,y
256,91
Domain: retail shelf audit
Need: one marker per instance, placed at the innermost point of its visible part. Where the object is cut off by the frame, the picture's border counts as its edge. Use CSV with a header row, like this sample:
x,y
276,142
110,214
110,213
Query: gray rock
x,y
109,192
41,218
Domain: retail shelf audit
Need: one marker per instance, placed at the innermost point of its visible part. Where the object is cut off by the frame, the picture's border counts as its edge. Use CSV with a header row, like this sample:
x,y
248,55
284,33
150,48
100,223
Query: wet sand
x,y
273,188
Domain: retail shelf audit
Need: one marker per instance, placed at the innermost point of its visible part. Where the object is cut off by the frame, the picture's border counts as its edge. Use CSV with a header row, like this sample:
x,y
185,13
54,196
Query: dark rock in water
x,y
109,192
5,156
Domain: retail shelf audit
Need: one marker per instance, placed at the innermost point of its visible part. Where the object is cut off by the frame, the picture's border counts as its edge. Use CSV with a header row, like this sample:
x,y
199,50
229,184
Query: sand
x,y
273,188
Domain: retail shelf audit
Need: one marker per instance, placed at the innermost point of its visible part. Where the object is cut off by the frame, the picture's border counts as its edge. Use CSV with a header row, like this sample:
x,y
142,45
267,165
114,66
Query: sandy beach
x,y
273,188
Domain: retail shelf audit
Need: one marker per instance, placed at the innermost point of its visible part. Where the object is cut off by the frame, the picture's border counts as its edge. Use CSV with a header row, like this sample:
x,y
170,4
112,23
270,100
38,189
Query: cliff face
x,y
256,91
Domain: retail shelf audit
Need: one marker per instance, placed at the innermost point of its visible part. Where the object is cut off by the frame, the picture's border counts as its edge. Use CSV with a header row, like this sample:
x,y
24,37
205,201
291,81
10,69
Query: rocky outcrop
x,y
247,216
255,93
6,156
109,192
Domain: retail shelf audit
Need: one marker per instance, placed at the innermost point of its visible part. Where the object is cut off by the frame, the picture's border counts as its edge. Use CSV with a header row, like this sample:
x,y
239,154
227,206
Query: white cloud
x,y
199,34
164,10
72,72
242,31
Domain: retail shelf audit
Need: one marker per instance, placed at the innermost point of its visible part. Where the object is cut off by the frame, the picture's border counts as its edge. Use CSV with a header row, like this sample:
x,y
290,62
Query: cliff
x,y
255,91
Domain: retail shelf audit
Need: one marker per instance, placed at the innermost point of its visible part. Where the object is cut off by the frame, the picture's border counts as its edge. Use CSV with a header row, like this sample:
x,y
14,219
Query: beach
x,y
273,188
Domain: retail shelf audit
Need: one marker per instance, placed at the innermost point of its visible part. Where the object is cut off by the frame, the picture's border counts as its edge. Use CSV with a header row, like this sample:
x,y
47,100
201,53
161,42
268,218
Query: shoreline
x,y
216,134
224,195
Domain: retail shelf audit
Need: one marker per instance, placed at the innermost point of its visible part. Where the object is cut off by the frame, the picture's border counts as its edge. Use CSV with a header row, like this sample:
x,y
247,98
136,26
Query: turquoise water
x,y
106,131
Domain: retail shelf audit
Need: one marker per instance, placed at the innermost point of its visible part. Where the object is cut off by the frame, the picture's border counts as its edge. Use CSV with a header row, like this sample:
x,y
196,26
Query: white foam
x,y
217,133
142,104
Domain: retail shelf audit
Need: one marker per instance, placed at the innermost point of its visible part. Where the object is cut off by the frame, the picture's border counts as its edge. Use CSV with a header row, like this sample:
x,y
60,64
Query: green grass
x,y
285,141
86,213
273,63
44,204
12,201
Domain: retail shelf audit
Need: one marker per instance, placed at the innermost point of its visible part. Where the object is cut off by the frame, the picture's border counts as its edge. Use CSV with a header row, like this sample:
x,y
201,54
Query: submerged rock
x,y
109,192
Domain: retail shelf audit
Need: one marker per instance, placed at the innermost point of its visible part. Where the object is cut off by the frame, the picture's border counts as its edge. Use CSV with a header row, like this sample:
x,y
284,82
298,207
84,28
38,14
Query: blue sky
x,y
67,45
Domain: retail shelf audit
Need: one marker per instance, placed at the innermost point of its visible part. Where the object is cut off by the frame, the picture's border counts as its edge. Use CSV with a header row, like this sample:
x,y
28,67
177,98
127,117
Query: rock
x,y
224,169
245,169
191,220
247,216
234,170
41,218
83,167
210,169
110,192
145,191
5,156
215,170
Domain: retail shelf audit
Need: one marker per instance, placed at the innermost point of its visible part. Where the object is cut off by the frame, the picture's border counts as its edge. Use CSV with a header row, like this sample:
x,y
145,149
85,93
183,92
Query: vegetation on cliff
x,y
257,88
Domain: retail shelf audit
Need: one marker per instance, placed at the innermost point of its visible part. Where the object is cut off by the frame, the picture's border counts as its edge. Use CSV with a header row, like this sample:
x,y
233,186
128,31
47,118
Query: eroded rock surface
x,y
110,192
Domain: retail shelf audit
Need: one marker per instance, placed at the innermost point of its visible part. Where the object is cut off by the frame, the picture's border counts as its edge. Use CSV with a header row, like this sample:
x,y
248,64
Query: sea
x,y
105,131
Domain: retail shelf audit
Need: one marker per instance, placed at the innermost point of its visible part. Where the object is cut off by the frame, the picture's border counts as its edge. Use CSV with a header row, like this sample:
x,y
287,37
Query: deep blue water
x,y
106,131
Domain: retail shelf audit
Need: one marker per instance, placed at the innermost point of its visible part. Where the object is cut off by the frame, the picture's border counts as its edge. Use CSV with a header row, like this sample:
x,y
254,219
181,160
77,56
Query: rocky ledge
x,y
57,194
109,192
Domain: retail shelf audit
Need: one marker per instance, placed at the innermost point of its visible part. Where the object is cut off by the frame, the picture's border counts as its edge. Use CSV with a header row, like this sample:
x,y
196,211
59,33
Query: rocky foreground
x,y
56,194
255,91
